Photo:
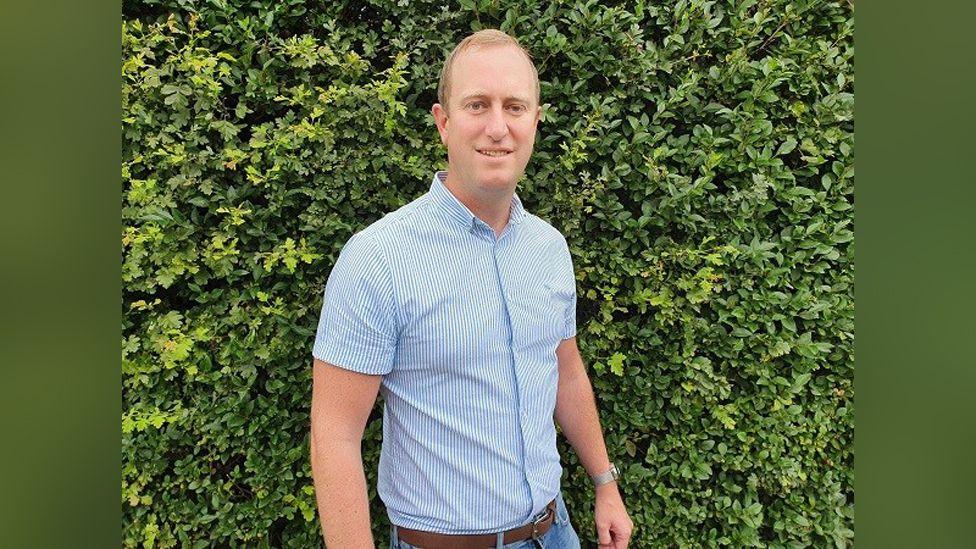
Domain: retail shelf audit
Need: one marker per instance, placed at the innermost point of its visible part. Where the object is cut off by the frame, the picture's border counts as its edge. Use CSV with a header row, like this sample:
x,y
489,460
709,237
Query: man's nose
x,y
497,127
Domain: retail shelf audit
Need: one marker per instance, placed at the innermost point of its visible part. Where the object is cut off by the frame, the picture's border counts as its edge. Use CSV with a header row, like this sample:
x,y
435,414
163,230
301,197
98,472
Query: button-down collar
x,y
457,211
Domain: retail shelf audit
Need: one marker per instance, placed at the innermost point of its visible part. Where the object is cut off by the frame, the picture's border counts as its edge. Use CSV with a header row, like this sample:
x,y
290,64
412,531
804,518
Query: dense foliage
x,y
697,156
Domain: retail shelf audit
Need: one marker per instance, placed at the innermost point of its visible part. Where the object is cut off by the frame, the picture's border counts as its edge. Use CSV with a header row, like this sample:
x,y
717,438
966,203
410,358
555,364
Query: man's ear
x,y
440,118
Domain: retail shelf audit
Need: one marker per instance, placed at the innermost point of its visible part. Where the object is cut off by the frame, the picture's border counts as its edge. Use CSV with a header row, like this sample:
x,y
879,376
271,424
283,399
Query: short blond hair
x,y
486,37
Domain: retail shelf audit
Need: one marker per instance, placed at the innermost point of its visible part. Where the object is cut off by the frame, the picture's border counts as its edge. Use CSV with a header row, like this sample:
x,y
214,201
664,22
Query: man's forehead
x,y
470,86
496,51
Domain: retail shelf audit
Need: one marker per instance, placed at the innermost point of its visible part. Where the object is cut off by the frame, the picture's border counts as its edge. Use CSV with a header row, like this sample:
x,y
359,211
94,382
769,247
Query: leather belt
x,y
431,540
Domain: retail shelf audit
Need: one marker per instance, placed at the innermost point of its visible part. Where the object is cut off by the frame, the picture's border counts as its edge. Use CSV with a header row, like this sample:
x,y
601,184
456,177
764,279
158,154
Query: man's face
x,y
489,124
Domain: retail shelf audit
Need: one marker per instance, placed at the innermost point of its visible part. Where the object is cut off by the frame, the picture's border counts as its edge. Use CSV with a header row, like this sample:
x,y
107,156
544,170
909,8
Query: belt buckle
x,y
537,521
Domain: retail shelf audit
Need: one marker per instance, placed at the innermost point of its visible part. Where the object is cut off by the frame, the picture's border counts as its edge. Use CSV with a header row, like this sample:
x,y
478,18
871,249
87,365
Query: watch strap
x,y
606,477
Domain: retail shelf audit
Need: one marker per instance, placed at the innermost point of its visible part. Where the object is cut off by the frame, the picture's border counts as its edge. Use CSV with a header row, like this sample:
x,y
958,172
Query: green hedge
x,y
698,157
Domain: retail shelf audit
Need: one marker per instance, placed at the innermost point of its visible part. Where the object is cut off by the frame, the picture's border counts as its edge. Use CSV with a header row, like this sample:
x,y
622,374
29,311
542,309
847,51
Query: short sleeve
x,y
566,264
357,326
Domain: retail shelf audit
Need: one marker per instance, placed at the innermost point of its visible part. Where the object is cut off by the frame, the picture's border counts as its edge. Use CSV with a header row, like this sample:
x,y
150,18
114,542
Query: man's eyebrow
x,y
483,95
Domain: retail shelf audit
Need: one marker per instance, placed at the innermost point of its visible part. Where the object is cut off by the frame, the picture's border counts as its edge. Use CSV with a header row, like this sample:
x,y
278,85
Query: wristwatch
x,y
604,478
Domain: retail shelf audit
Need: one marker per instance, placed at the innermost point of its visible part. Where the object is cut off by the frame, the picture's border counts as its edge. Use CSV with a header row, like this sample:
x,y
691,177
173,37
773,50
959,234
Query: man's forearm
x,y
577,416
340,491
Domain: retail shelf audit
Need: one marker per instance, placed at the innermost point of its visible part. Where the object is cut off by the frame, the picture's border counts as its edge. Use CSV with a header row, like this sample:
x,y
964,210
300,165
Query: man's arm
x,y
577,416
341,403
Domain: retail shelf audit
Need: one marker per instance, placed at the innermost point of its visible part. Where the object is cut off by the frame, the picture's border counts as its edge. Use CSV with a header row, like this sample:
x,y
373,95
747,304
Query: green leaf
x,y
616,363
786,147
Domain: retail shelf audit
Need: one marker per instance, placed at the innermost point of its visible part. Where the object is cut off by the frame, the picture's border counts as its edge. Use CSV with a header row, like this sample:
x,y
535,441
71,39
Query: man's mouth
x,y
494,153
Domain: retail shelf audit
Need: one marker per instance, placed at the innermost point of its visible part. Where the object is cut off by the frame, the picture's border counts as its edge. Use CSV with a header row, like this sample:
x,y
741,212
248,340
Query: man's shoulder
x,y
544,230
386,230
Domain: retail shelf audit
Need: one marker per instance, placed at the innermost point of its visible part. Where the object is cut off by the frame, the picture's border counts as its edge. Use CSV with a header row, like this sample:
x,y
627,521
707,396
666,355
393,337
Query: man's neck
x,y
494,208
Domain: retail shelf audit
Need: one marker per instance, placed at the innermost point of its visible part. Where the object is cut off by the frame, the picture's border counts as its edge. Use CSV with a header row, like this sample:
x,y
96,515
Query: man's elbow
x,y
327,441
573,375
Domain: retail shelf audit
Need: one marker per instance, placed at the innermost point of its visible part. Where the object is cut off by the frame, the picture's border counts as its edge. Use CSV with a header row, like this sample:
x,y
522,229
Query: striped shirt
x,y
463,327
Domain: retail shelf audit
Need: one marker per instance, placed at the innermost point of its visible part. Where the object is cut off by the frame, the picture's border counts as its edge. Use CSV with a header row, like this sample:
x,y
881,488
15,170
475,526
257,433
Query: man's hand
x,y
613,524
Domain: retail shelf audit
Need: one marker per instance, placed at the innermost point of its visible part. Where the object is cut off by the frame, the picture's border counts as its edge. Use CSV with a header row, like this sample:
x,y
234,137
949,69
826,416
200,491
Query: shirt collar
x,y
447,203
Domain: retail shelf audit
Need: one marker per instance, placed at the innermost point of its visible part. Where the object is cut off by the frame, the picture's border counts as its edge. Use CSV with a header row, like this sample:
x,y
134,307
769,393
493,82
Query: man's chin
x,y
498,181
497,184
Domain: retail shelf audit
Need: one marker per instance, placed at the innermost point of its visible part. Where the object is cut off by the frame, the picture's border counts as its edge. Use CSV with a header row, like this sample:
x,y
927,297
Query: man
x,y
460,308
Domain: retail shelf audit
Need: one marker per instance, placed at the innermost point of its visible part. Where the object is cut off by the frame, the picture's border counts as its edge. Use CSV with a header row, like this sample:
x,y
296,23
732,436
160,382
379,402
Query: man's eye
x,y
517,108
476,106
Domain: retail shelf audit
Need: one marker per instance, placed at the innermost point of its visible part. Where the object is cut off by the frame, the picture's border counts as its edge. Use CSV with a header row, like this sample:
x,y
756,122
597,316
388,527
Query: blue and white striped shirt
x,y
463,327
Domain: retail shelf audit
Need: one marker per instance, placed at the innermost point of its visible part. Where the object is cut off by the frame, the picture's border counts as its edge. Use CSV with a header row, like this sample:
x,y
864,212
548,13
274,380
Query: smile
x,y
494,153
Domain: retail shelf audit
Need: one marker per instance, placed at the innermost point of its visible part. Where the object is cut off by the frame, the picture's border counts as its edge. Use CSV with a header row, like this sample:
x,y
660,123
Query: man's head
x,y
488,110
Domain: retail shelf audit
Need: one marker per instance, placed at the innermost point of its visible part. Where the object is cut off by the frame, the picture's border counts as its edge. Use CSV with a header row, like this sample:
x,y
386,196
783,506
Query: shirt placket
x,y
499,250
